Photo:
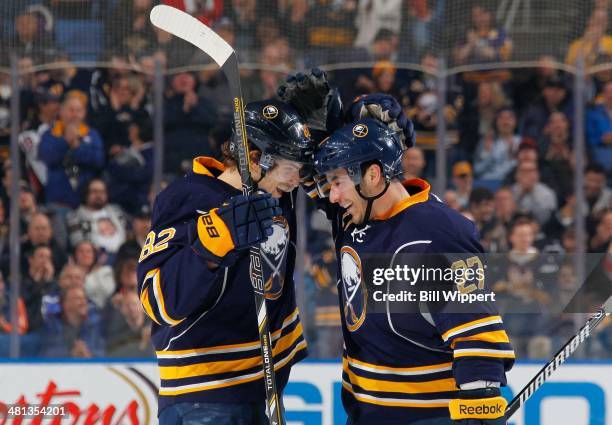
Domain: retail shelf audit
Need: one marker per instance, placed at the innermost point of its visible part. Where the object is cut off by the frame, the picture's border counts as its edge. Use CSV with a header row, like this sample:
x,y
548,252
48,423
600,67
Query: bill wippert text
x,y
433,296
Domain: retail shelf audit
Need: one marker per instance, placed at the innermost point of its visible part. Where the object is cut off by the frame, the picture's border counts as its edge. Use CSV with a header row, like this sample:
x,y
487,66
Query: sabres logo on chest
x,y
354,294
274,256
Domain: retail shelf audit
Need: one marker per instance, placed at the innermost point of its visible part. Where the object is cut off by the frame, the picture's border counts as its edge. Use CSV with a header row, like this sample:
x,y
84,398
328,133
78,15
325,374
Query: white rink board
x,y
578,393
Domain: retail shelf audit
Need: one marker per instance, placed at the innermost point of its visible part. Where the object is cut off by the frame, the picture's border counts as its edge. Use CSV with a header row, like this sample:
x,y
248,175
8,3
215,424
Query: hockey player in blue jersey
x,y
427,367
194,275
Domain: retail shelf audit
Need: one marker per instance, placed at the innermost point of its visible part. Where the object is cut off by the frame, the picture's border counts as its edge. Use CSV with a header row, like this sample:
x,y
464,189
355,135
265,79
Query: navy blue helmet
x,y
277,130
363,141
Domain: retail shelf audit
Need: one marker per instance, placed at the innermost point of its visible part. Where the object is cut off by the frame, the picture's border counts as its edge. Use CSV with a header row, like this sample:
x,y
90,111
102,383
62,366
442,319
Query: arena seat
x,y
80,38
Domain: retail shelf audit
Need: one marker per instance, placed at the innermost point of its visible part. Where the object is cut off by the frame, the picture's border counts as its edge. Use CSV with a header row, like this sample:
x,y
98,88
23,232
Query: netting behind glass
x,y
327,33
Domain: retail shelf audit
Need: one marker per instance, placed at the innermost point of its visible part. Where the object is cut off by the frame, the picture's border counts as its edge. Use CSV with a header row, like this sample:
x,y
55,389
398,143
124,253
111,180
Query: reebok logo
x,y
484,409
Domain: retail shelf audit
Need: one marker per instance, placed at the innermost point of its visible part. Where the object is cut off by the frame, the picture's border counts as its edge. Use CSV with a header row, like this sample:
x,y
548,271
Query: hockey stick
x,y
185,26
558,359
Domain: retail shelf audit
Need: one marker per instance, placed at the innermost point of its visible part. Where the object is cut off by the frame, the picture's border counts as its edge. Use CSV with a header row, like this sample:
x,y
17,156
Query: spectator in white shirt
x,y
97,220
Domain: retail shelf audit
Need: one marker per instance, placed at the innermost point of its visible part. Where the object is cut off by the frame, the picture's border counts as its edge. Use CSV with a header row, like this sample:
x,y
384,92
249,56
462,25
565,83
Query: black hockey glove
x,y
241,222
315,100
483,406
385,108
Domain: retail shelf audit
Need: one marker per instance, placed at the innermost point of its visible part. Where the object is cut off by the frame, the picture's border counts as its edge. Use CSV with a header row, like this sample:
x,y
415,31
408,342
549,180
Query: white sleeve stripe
x,y
469,328
481,350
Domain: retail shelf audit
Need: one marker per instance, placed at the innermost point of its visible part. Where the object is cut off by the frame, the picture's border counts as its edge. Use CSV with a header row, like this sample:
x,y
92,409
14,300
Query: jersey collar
x,y
421,195
203,165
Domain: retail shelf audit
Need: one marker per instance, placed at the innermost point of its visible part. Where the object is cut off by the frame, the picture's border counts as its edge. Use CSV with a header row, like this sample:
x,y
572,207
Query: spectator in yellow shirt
x,y
595,43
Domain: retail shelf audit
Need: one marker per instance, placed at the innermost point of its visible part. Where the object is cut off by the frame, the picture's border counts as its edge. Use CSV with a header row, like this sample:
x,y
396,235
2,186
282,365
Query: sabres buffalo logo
x,y
270,112
274,257
360,130
353,288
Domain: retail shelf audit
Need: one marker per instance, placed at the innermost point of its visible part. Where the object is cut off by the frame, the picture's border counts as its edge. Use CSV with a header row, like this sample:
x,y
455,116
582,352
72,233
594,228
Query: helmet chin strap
x,y
370,199
262,175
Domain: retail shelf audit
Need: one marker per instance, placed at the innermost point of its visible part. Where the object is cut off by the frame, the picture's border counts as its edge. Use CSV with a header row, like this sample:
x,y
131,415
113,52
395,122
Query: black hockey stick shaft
x,y
559,358
231,70
185,26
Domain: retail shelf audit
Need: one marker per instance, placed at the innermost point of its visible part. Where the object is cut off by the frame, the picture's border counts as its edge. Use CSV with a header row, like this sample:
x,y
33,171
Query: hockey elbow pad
x,y
241,222
483,406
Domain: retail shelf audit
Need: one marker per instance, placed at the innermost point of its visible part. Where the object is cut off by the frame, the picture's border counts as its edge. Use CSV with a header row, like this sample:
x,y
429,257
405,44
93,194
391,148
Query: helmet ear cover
x,y
266,162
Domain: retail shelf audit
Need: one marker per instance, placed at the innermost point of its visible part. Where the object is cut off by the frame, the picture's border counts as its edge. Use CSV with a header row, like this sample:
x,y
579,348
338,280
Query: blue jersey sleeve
x,y
175,280
474,332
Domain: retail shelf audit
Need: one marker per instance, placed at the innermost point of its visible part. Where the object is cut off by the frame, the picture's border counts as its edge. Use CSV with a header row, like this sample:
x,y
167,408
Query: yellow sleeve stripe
x,y
159,298
486,321
146,304
481,352
492,336
222,383
214,234
210,368
418,370
435,386
230,348
393,402
330,316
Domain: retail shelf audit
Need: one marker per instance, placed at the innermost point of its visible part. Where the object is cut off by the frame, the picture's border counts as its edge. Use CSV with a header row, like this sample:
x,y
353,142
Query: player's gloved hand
x,y
315,100
483,406
385,108
241,222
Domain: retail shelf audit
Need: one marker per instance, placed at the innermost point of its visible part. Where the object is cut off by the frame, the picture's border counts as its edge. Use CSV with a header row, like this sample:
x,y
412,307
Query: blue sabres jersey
x,y
403,367
204,322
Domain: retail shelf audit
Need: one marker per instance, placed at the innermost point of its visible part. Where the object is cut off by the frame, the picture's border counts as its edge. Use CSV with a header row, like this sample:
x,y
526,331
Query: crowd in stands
x,y
87,156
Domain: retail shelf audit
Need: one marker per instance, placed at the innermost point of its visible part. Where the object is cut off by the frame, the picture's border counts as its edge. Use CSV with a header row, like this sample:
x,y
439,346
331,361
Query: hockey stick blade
x,y
559,358
185,26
